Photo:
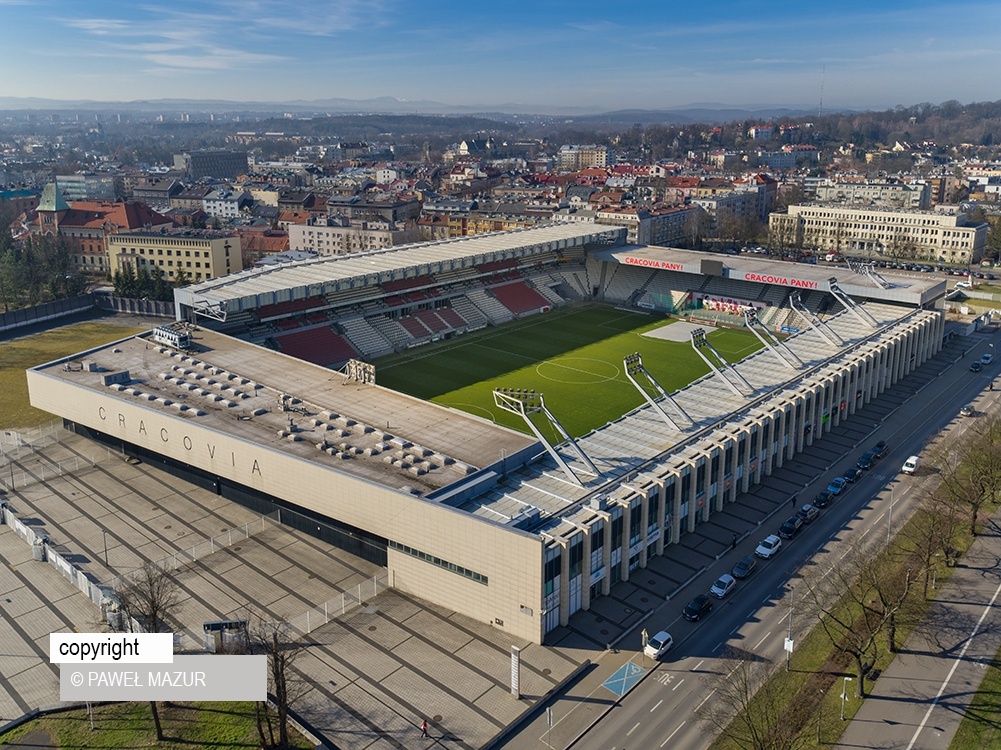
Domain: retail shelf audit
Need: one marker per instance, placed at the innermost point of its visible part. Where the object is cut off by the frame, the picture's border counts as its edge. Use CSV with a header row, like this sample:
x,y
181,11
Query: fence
x,y
228,538
153,308
71,573
47,311
349,601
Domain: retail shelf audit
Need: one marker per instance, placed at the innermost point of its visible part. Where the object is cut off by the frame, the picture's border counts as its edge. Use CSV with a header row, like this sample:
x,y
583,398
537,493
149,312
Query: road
x,y
660,710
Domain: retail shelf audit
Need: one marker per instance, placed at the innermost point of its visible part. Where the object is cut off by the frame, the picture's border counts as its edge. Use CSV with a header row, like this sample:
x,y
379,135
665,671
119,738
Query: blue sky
x,y
596,56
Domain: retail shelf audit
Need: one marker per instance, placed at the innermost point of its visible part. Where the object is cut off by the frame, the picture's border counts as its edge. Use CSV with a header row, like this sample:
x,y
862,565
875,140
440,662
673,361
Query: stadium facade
x,y
489,522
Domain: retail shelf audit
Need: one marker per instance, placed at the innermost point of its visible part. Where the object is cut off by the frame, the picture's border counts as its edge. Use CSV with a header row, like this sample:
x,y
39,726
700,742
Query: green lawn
x,y
981,725
219,725
573,357
18,355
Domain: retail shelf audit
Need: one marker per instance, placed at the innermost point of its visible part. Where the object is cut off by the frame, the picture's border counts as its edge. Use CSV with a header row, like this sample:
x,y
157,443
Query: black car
x,y
823,499
976,367
852,474
700,605
791,527
879,449
866,460
744,567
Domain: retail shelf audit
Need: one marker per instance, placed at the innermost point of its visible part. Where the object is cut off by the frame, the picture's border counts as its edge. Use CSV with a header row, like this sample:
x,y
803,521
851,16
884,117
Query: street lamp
x,y
105,532
934,570
844,694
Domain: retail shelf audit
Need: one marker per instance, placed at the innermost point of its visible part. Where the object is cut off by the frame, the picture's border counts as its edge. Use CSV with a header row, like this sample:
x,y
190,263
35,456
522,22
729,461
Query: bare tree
x,y
970,471
149,598
283,648
747,707
857,601
932,532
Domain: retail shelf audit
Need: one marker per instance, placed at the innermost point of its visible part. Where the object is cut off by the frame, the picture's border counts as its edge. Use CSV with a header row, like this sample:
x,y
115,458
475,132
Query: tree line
x,y
863,602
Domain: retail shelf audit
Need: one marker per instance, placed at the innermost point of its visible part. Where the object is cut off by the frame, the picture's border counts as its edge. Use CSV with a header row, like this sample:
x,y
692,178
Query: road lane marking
x,y
657,706
633,729
678,685
697,665
955,664
705,699
673,733
762,639
718,646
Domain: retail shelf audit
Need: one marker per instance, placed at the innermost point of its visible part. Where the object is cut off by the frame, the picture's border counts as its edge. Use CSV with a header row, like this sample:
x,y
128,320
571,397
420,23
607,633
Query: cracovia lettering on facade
x,y
653,263
783,280
165,437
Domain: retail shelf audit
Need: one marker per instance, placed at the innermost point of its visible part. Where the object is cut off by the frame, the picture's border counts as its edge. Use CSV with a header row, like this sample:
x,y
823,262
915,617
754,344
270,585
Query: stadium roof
x,y
917,290
264,286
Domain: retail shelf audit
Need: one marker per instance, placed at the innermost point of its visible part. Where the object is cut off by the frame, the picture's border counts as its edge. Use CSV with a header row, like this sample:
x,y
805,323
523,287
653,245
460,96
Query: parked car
x,y
963,285
697,607
744,567
823,499
866,460
911,465
658,645
852,474
768,547
808,513
967,411
976,367
791,527
879,449
986,359
837,485
723,586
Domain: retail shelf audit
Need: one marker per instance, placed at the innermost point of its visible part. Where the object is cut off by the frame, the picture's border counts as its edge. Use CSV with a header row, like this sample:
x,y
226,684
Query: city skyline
x,y
541,58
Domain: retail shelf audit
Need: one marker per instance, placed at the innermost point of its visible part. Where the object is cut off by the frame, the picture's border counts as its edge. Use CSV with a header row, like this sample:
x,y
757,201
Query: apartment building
x,y
575,157
889,194
200,254
874,232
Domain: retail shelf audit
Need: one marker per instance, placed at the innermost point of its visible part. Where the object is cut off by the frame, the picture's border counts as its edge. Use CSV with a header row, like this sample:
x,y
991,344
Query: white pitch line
x,y
763,639
672,734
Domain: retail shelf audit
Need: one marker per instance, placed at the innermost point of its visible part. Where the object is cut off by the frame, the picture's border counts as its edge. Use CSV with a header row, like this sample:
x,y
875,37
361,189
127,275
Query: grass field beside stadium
x,y
574,357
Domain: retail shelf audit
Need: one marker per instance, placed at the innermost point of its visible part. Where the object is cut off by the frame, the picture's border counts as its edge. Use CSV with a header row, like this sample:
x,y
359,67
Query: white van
x,y
910,465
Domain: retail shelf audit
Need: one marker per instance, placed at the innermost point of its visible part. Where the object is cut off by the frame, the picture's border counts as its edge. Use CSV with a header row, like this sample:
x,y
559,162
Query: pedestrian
x,y
424,728
795,499
733,545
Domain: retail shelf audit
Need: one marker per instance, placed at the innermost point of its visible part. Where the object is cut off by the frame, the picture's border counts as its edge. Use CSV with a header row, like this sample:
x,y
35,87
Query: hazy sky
x,y
600,56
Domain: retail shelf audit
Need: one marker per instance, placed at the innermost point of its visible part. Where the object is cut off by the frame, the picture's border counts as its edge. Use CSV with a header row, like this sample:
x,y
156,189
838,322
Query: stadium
x,y
510,423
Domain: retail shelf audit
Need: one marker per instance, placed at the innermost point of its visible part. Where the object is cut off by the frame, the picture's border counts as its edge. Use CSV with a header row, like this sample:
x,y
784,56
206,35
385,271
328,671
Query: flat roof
x,y
232,386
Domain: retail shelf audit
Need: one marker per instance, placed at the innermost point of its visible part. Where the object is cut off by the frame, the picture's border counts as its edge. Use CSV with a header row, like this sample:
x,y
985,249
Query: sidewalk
x,y
929,685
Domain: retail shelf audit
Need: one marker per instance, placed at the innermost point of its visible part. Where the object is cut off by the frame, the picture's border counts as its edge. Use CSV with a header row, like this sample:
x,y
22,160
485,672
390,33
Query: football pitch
x,y
574,357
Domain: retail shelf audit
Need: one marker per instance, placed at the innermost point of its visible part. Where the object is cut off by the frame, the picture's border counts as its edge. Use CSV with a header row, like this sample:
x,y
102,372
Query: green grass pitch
x,y
573,357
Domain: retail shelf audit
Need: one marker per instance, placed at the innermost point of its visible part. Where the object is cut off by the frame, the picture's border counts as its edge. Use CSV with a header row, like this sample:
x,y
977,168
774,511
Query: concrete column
x,y
693,507
585,581
730,467
644,531
564,584
720,498
606,555
673,496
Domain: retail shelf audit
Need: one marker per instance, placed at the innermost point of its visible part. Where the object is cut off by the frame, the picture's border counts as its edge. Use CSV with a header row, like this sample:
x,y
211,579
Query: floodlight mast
x,y
851,305
868,269
719,365
826,332
772,343
526,402
634,366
